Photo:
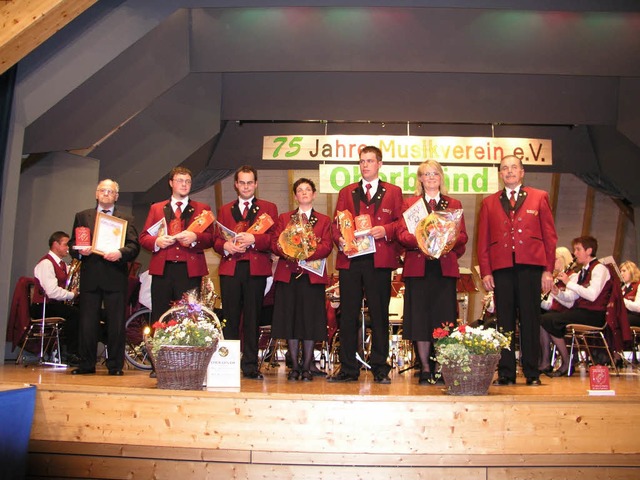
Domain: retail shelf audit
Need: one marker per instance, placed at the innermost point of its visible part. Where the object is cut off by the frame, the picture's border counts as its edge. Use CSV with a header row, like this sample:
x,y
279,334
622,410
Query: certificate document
x,y
414,214
109,234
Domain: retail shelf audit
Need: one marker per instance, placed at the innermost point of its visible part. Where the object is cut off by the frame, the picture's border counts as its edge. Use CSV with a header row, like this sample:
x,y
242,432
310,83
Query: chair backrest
x,y
19,317
616,315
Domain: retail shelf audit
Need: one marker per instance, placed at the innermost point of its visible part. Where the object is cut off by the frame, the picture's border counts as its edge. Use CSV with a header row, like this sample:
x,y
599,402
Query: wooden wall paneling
x,y
618,242
588,211
554,192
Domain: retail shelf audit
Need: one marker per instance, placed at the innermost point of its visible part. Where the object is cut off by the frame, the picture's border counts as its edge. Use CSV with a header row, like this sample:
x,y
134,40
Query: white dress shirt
x,y
46,275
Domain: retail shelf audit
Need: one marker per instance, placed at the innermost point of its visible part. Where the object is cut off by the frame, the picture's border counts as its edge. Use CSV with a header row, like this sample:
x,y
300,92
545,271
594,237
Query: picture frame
x,y
109,234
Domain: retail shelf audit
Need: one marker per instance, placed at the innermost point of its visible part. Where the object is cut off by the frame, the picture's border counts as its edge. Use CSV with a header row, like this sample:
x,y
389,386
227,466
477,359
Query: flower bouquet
x,y
437,233
297,241
184,339
469,356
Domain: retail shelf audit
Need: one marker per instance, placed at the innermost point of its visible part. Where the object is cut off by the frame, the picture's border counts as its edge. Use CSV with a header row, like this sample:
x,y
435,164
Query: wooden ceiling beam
x,y
26,24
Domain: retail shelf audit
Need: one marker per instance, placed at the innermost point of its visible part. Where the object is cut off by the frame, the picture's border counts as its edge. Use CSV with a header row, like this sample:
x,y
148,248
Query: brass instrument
x,y
486,301
73,278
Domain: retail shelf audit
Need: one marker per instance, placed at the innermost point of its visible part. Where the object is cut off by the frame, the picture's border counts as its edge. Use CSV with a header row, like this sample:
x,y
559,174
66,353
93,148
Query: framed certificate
x,y
109,234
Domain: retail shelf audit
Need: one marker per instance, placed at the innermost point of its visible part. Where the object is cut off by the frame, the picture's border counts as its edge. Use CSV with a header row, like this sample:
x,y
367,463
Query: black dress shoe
x,y
116,372
534,381
306,376
317,373
293,375
547,370
426,378
255,375
561,373
83,371
504,381
343,377
72,360
381,378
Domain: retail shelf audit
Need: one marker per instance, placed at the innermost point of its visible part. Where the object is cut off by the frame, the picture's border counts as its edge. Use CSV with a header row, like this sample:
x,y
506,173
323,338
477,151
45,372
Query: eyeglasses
x,y
106,191
430,174
184,181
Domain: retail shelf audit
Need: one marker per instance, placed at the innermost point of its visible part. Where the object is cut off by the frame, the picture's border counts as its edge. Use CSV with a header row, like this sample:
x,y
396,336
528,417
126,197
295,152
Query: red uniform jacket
x,y
414,260
259,255
534,235
322,228
196,263
386,209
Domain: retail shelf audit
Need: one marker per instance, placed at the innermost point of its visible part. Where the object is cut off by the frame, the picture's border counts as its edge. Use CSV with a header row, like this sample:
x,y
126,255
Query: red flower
x,y
172,322
462,329
159,325
440,333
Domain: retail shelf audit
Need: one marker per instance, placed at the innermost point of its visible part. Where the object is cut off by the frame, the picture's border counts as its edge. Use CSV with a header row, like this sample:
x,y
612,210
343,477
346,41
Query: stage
x,y
124,427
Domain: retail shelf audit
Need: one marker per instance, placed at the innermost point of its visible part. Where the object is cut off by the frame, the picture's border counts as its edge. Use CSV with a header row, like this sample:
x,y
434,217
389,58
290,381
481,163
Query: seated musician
x,y
51,279
585,297
631,278
564,263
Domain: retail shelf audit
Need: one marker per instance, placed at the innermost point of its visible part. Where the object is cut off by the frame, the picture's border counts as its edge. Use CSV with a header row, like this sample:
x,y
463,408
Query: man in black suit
x,y
103,279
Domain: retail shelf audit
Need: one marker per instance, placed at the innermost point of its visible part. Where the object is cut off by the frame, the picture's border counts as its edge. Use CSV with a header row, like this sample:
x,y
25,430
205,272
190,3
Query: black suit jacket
x,y
96,272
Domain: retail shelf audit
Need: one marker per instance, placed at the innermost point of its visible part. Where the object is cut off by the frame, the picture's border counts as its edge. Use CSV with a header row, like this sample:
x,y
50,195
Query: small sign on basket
x,y
224,367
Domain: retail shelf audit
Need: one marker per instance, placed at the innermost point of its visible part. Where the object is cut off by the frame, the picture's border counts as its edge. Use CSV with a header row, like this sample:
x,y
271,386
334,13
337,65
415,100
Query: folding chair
x,y
45,330
588,336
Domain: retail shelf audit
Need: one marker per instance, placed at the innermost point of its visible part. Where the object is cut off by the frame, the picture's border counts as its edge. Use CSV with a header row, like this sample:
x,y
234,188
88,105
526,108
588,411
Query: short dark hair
x,y
301,181
587,241
57,236
179,171
374,149
246,169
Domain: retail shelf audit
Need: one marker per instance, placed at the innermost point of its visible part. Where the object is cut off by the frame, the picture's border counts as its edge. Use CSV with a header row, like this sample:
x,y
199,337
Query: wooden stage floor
x,y
124,427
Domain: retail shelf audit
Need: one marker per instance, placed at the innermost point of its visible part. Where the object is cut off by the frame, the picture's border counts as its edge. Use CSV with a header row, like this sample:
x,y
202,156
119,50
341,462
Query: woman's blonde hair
x,y
633,268
565,254
422,168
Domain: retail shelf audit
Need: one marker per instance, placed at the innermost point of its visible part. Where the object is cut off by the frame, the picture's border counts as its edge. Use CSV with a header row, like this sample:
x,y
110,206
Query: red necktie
x,y
512,200
246,210
304,219
175,226
368,187
432,204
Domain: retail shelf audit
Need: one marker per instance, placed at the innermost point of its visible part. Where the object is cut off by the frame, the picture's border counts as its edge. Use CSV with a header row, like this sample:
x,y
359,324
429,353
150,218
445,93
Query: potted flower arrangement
x,y
184,339
469,356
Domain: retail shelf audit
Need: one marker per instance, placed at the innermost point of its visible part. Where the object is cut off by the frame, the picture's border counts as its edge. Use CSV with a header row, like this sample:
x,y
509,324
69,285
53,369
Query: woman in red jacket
x,y
299,312
430,284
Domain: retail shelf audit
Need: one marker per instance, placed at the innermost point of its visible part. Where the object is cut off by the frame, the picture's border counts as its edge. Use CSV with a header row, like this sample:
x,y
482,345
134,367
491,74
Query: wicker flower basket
x,y
180,367
475,382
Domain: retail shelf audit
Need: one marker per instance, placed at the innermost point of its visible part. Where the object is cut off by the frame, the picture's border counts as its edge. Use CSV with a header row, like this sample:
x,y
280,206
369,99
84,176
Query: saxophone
x,y
73,278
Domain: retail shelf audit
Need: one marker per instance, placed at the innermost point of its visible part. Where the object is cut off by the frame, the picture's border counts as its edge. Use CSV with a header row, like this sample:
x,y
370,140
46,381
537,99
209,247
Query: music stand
x,y
364,335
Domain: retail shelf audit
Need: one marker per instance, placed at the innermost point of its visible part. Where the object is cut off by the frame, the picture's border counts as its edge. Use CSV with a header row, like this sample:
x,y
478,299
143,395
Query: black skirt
x,y
300,310
429,302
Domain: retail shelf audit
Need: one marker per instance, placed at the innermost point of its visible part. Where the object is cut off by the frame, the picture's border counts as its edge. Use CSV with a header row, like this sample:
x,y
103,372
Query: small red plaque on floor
x,y
599,377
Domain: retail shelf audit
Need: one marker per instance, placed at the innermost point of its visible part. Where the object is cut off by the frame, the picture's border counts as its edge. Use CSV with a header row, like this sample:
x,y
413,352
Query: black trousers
x,y
242,296
517,298
363,279
169,287
90,314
